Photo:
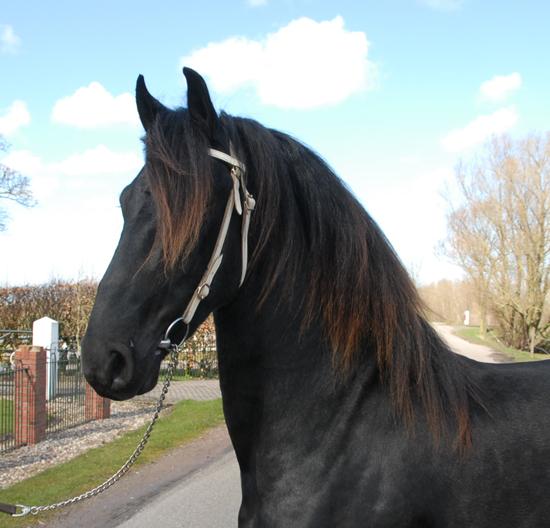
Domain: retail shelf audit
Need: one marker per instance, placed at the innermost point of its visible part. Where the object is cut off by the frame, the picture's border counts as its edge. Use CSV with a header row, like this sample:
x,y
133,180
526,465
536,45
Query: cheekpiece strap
x,y
244,207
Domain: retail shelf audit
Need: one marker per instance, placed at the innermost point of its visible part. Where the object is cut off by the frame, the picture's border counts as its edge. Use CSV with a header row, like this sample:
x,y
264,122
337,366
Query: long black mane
x,y
357,286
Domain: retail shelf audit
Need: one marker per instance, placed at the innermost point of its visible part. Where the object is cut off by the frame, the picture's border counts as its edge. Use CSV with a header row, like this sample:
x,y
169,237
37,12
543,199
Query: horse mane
x,y
358,287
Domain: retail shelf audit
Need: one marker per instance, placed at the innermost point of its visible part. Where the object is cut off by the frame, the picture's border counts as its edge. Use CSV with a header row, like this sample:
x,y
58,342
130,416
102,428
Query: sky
x,y
392,94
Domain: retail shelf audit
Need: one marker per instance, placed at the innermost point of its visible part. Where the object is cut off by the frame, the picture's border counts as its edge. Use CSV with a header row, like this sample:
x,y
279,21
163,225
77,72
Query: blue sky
x,y
392,94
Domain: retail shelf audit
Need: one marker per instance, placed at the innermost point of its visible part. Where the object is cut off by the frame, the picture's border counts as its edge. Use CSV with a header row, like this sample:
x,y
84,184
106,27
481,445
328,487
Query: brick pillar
x,y
30,395
97,407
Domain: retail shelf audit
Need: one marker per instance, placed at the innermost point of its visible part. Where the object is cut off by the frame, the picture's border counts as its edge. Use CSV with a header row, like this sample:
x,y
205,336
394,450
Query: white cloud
x,y
69,236
76,224
43,181
16,116
406,202
305,64
256,3
98,161
480,129
93,106
9,41
78,170
443,5
500,87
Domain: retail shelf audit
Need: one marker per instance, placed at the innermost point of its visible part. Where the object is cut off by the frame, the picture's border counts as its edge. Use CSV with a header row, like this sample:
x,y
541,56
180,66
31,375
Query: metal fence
x,y
66,399
66,390
195,363
10,382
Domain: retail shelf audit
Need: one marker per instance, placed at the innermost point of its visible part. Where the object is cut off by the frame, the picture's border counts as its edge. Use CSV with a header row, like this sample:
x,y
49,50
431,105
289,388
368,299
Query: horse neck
x,y
269,334
275,375
273,372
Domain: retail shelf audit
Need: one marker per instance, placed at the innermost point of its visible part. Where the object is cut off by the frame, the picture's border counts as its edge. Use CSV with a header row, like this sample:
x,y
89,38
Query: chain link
x,y
34,510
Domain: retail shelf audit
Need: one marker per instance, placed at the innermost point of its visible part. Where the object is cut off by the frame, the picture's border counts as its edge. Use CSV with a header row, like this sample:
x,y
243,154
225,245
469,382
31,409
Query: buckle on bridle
x,y
202,291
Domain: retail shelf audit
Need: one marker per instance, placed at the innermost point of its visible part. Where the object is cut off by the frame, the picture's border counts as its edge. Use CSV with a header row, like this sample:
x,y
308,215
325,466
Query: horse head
x,y
170,250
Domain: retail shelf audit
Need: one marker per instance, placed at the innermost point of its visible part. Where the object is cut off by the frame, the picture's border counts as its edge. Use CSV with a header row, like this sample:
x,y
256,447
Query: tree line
x,y
68,302
499,234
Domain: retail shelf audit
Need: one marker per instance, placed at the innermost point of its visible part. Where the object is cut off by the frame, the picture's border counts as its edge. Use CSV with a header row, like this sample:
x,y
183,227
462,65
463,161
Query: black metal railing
x,y
11,396
65,399
195,363
65,389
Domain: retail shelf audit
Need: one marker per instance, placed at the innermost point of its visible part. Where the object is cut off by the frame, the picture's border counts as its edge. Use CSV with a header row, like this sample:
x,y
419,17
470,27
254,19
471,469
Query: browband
x,y
234,162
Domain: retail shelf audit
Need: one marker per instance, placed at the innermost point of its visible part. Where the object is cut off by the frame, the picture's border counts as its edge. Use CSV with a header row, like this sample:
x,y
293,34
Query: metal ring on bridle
x,y
167,342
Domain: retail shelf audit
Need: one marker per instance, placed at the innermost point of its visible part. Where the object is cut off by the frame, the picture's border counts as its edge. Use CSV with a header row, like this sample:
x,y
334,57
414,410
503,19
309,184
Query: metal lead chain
x,y
34,510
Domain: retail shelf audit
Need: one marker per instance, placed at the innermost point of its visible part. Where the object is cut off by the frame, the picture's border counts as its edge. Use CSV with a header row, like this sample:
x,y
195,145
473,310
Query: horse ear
x,y
199,103
148,107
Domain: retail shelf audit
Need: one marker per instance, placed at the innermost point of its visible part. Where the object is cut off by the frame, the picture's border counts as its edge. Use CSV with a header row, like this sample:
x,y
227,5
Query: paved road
x,y
481,353
186,390
210,498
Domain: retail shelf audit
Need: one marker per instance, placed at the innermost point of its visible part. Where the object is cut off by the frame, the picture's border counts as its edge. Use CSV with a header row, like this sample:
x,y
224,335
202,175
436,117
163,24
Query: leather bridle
x,y
244,207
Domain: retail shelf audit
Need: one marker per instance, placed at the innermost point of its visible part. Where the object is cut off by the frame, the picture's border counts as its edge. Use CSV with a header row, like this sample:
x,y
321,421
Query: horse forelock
x,y
180,178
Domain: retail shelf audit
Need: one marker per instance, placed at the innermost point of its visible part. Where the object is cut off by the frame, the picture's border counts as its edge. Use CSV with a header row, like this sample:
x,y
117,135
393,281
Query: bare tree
x,y
500,234
13,186
470,243
447,300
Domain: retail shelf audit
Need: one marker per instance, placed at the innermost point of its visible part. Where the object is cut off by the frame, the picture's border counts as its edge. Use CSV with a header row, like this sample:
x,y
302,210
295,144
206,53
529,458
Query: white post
x,y
45,333
467,318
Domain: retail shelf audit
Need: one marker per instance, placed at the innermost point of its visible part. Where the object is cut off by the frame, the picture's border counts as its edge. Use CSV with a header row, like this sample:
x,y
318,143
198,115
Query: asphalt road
x,y
481,353
208,499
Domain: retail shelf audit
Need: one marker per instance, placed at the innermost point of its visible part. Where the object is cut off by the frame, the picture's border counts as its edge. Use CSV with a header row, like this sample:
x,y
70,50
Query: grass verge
x,y
185,421
471,334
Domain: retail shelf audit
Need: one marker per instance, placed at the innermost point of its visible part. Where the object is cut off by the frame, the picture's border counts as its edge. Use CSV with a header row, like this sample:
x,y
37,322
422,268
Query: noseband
x,y
244,207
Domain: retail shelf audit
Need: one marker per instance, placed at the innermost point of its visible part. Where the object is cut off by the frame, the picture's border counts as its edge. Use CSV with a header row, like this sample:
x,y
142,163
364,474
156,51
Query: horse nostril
x,y
121,369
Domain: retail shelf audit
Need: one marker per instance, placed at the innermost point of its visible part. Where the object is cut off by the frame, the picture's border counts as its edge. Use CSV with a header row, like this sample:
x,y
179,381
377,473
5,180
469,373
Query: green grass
x,y
6,415
471,334
185,421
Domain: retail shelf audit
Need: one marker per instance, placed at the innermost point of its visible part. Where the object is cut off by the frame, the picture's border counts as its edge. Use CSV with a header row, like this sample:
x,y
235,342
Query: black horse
x,y
344,407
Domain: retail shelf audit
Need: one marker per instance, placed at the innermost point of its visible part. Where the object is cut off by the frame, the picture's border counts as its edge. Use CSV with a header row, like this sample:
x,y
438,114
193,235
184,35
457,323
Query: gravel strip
x,y
64,445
